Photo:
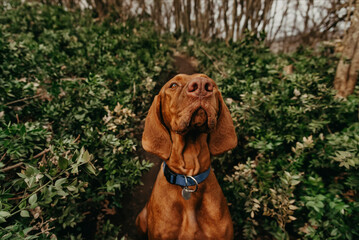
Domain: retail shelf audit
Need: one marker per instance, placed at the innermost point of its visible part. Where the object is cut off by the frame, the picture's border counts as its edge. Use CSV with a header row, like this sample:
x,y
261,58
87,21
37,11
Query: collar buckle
x,y
188,189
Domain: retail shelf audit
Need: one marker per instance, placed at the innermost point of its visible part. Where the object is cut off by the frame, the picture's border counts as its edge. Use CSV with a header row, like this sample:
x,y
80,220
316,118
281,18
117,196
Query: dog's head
x,y
188,104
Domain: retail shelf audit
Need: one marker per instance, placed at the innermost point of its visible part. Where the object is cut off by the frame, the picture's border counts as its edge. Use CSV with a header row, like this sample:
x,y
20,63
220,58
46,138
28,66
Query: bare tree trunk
x,y
157,14
177,8
347,71
212,22
226,27
284,16
294,27
184,17
208,19
255,19
117,6
188,15
219,11
306,32
239,18
142,5
100,8
234,20
249,4
264,18
168,14
306,18
197,14
270,38
212,18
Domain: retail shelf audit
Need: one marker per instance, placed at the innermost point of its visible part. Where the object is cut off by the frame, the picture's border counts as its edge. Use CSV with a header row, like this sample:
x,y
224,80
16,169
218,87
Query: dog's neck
x,y
190,154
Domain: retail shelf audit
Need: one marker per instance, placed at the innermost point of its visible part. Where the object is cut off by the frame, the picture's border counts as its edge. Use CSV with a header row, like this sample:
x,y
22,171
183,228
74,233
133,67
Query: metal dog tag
x,y
186,194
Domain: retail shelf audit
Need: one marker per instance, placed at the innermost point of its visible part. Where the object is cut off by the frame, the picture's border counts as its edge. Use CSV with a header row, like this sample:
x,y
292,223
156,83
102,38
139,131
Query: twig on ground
x,y
16,198
73,79
11,167
3,156
23,99
41,153
78,137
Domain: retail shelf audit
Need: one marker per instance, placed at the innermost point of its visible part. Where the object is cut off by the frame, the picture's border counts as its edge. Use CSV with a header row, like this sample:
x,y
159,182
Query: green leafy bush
x,y
71,93
295,170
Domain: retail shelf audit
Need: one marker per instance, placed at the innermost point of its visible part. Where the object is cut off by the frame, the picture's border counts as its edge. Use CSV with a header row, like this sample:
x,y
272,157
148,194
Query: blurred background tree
x,y
288,23
347,72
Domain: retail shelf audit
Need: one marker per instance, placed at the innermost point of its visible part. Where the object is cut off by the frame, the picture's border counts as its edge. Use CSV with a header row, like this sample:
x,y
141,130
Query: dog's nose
x,y
200,87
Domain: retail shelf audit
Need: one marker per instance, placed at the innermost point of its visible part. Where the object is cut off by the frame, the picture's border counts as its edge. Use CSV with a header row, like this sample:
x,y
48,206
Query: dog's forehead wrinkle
x,y
186,78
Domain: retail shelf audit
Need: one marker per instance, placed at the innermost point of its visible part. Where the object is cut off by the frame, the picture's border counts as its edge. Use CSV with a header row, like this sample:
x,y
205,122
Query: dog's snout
x,y
200,87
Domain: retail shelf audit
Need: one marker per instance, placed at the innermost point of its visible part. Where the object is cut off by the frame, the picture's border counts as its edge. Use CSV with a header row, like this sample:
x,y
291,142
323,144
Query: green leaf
x,y
4,214
320,204
86,157
62,193
59,182
24,213
27,230
91,168
294,182
6,236
63,163
334,232
33,199
71,188
22,205
75,169
21,175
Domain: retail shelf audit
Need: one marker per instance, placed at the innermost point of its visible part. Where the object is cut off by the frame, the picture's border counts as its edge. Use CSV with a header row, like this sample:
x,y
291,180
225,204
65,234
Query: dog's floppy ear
x,y
223,137
155,138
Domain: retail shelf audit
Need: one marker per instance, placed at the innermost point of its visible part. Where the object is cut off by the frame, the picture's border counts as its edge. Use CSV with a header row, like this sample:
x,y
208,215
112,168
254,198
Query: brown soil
x,y
135,200
185,64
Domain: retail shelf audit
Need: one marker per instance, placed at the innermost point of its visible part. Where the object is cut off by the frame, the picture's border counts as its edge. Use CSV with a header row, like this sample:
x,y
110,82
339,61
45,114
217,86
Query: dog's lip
x,y
189,125
194,115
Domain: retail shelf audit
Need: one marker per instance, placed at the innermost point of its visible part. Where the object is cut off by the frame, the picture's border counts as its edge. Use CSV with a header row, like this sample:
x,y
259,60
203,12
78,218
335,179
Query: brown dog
x,y
187,122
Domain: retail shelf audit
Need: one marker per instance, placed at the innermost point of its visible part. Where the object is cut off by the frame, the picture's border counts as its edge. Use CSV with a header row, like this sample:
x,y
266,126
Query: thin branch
x,y
23,99
78,137
41,153
11,167
281,23
16,198
72,79
3,156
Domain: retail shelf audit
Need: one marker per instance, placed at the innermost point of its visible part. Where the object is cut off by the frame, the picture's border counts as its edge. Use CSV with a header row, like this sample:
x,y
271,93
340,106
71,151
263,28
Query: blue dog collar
x,y
183,180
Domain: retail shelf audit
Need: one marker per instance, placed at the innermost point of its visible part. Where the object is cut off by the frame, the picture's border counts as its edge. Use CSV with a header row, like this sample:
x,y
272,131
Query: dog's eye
x,y
173,85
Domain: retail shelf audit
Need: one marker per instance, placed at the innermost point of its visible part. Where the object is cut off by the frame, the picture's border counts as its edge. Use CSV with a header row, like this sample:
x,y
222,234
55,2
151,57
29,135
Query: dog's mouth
x,y
199,118
199,121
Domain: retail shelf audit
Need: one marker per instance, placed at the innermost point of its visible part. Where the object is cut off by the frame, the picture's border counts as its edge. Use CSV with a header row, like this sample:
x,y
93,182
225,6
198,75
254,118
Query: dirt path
x,y
134,201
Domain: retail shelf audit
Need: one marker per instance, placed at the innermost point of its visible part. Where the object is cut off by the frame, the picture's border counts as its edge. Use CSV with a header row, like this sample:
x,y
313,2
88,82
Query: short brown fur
x,y
186,124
